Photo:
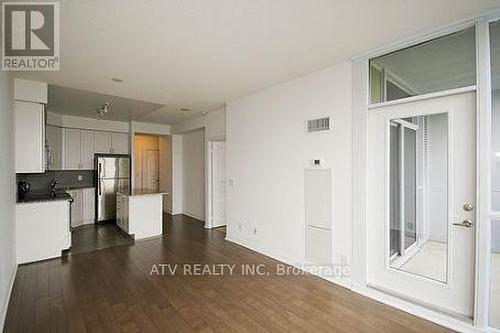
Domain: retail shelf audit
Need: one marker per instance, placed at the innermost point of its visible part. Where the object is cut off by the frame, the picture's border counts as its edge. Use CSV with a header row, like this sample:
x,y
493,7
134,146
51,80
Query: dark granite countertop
x,y
45,197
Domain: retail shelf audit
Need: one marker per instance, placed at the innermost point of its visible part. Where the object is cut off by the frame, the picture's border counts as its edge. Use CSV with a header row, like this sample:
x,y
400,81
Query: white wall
x,y
495,168
165,148
7,198
267,151
193,174
87,123
213,122
177,175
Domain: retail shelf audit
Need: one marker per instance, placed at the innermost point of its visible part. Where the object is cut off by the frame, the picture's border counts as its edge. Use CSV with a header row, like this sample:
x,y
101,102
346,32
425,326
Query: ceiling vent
x,y
318,125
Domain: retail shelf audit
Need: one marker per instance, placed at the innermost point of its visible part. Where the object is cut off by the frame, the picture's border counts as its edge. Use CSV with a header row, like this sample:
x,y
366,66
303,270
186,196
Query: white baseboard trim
x,y
414,309
200,218
214,226
5,304
417,310
289,261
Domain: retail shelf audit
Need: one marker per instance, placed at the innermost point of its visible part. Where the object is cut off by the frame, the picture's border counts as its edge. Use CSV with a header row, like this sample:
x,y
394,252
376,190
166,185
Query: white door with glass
x,y
421,201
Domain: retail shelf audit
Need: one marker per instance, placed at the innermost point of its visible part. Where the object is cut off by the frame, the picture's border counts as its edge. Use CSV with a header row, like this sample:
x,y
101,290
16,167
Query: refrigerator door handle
x,y
99,168
99,187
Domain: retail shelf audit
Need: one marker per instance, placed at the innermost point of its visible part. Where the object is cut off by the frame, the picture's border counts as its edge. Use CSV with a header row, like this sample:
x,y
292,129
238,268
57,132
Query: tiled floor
x,y
88,238
429,261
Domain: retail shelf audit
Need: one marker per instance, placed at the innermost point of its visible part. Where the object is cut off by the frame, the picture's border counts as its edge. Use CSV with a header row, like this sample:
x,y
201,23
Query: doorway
x,y
152,162
422,178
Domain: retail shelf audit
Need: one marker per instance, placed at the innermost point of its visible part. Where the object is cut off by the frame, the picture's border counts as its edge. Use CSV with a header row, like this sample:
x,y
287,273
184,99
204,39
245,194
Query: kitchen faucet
x,y
52,187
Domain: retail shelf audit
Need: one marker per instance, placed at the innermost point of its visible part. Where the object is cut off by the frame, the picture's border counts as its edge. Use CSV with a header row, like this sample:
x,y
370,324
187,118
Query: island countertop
x,y
142,191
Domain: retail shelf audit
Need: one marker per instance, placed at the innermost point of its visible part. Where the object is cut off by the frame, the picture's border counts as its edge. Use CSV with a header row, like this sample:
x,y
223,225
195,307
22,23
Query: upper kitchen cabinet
x,y
87,149
29,137
30,91
54,144
111,143
102,142
119,143
29,125
79,149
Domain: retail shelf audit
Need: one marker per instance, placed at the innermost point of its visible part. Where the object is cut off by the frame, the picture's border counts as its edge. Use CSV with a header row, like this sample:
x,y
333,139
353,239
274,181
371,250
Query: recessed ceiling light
x,y
186,109
115,79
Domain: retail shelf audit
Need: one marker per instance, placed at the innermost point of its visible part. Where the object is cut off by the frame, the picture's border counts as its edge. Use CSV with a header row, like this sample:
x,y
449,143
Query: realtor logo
x,y
30,36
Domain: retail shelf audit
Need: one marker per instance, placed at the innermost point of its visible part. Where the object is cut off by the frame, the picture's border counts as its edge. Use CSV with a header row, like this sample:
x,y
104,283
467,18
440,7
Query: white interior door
x,y
152,179
218,183
422,193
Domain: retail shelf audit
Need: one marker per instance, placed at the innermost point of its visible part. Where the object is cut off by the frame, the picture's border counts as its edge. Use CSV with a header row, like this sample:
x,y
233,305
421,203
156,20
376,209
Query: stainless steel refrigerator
x,y
113,174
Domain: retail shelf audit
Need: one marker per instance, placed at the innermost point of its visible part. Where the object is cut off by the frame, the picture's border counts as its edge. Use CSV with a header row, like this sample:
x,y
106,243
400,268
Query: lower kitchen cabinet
x,y
83,207
42,230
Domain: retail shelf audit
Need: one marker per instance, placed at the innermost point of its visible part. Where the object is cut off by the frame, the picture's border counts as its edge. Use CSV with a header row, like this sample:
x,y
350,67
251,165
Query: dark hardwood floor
x,y
112,290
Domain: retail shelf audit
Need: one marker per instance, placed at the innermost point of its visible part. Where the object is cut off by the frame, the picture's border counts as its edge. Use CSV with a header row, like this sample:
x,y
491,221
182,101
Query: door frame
x,y
360,115
209,191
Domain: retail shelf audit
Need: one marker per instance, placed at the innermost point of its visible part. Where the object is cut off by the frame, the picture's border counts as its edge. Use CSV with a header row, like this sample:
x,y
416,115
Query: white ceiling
x,y
199,54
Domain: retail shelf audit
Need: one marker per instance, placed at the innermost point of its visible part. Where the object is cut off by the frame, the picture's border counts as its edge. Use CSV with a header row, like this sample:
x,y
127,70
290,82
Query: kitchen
x,y
69,169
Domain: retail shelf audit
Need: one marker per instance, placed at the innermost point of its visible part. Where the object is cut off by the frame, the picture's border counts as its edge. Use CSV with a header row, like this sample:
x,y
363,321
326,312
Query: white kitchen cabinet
x,y
29,128
54,144
42,230
119,143
122,211
79,149
87,147
102,142
30,91
72,145
88,205
83,206
76,208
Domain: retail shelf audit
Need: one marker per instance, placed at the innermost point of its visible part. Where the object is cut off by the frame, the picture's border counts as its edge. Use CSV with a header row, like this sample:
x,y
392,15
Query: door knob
x,y
468,207
464,223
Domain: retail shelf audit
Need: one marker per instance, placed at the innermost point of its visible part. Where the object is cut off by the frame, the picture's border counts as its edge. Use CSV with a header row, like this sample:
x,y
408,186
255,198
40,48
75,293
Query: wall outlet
x,y
79,178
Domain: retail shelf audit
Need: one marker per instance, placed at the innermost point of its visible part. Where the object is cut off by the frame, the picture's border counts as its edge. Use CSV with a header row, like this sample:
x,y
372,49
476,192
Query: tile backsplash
x,y
66,179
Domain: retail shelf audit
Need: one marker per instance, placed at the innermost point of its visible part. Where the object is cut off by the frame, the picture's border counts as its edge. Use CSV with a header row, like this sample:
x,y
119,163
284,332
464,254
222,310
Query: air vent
x,y
318,125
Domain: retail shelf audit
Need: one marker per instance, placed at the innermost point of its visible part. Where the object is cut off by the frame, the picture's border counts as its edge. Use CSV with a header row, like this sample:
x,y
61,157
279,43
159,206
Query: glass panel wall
x,y
418,165
495,176
440,64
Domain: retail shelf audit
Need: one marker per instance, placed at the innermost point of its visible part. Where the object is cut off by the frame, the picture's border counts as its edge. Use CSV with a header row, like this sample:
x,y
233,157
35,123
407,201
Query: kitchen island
x,y
139,213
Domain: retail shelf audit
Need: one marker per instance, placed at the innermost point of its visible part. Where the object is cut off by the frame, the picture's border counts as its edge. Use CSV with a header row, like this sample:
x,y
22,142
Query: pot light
x,y
115,79
186,109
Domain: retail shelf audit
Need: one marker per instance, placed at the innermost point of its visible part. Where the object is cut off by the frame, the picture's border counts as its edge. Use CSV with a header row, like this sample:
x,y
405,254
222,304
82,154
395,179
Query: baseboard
x,y
5,304
200,218
398,303
417,310
286,260
214,226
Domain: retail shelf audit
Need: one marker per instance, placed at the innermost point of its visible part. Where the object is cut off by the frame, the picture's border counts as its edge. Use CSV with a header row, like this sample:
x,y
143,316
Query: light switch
x,y
80,178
